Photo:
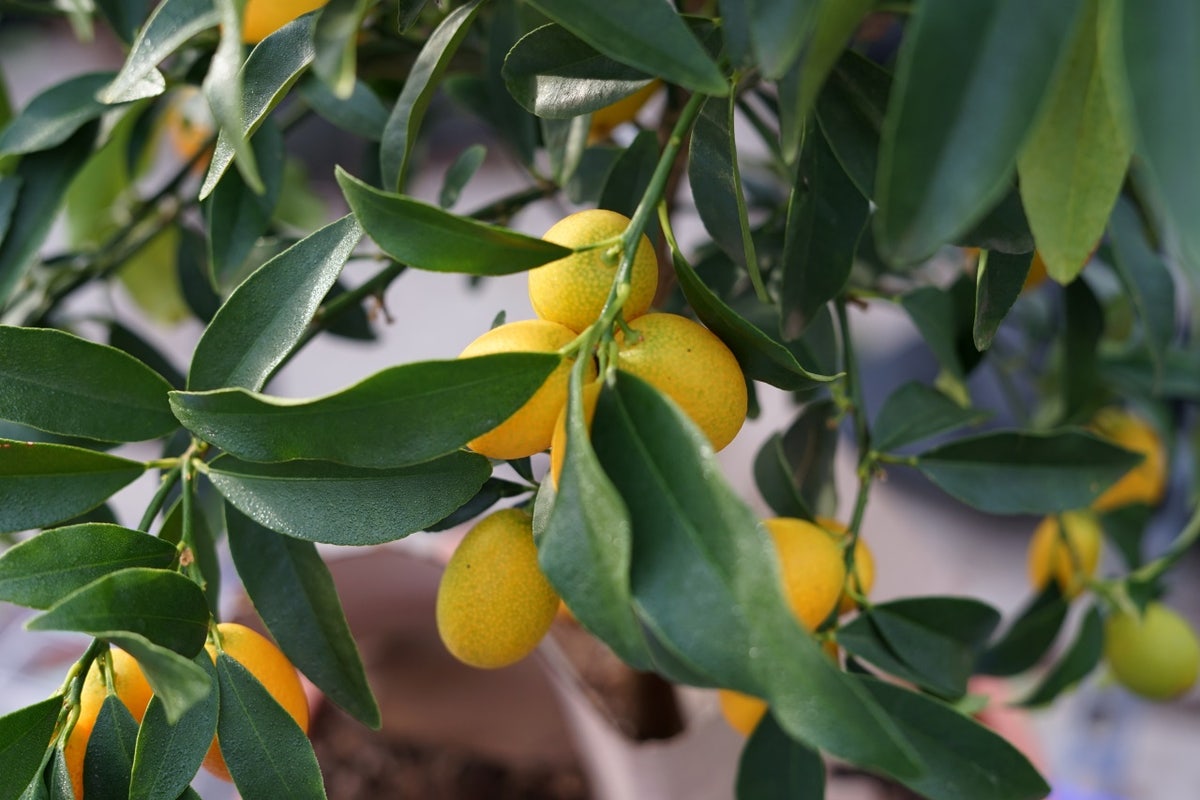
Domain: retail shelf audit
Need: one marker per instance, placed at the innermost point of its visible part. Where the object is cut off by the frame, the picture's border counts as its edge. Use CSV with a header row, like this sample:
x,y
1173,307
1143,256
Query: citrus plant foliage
x,y
838,157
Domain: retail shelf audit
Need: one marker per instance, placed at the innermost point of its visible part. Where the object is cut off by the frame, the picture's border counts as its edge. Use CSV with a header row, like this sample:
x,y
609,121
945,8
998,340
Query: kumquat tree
x,y
745,179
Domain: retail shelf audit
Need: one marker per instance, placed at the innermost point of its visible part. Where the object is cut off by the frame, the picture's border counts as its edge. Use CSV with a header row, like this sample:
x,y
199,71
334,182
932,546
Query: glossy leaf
x,y
1029,637
1148,283
58,382
168,754
554,74
915,412
179,683
293,592
336,41
53,116
266,752
361,113
716,182
999,282
459,173
44,569
794,470
161,605
630,175
506,25
564,141
263,319
779,30
1163,67
1074,163
649,36
774,766
426,237
224,88
968,88
400,133
24,734
402,415
1080,379
272,67
41,484
1075,665
323,502
172,23
850,110
109,757
1008,472
962,757
128,341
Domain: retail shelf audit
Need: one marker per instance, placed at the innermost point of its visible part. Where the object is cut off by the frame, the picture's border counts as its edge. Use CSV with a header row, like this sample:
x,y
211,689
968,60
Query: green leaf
x,y
762,357
336,40
224,89
180,683
42,179
172,23
1008,472
1074,163
1029,637
506,25
44,569
127,341
1075,665
361,113
999,281
400,133
825,218
272,67
1148,283
159,604
1180,378
554,74
267,753
649,36
779,30
60,383
109,757
1163,67
24,736
426,237
124,16
323,502
1003,229
293,592
915,412
261,322
1080,380
462,170
10,187
402,415
774,766
716,182
794,470
629,176
237,215
565,141
168,754
963,758
850,110
203,548
41,484
968,89
946,318
55,115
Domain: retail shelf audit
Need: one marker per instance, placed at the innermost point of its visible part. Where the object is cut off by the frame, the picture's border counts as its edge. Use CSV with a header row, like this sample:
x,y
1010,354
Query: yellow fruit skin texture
x,y
572,290
132,689
531,426
814,571
558,442
687,363
863,578
494,604
1070,563
1146,482
1157,657
271,667
604,120
264,17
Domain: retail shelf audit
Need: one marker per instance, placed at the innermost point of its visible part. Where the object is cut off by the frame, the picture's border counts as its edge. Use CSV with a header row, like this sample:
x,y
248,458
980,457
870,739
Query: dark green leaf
x,y
716,182
60,383
272,67
168,754
1029,637
42,179
41,484
329,503
564,141
963,758
864,642
203,548
400,416
293,592
774,766
999,282
1126,527
10,187
1147,280
915,412
178,682
1075,665
945,318
58,778
968,88
779,29
362,113
266,752
462,170
850,110
24,737
225,90
1084,327
1003,229
629,176
1163,67
55,115
124,16
172,24
336,41
1138,375
649,36
493,491
1008,472
506,25
400,133
109,758
44,569
794,471
426,237
264,318
127,341
407,13
159,604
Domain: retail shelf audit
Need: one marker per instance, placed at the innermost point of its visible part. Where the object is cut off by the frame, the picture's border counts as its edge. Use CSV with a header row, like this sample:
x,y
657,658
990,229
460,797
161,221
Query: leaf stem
x,y
1183,542
169,479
